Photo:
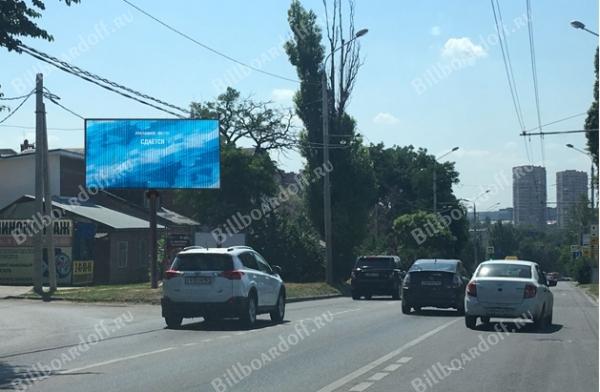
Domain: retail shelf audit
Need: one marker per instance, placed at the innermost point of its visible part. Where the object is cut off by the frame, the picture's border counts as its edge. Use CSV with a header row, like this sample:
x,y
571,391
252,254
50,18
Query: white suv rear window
x,y
203,262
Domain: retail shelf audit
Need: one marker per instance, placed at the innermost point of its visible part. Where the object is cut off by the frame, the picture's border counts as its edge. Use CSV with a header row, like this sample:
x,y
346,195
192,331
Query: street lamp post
x,y
475,224
578,25
435,162
326,183
592,191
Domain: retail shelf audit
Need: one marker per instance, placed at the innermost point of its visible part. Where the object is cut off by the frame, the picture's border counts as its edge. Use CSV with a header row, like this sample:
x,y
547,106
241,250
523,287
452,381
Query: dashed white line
x,y
206,340
190,344
121,359
378,376
361,387
393,367
404,359
367,368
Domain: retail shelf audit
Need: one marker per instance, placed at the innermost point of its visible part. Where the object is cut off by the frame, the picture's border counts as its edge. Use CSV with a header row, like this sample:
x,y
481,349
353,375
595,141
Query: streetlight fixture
x,y
592,191
435,177
326,185
579,25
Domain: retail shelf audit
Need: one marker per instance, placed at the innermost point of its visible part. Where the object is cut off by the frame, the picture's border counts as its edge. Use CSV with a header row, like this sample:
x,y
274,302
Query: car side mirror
x,y
276,269
552,283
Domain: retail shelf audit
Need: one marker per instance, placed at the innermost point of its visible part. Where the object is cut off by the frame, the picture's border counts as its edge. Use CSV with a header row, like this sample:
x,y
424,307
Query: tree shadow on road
x,y
8,374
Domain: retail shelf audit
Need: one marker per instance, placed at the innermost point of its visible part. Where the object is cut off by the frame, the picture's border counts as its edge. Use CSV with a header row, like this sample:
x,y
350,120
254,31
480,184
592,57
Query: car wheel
x,y
485,320
355,295
368,296
278,313
405,308
540,321
173,321
248,316
397,293
470,322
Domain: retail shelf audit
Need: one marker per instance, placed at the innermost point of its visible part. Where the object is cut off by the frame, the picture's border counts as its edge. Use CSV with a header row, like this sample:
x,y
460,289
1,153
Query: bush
x,y
581,270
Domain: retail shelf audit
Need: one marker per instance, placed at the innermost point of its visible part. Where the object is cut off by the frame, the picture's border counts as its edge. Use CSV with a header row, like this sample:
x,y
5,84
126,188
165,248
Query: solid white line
x,y
378,376
361,387
367,368
121,359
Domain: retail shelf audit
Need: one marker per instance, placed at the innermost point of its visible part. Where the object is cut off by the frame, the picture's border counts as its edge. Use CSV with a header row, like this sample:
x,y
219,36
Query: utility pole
x,y
326,186
39,209
49,243
475,235
434,186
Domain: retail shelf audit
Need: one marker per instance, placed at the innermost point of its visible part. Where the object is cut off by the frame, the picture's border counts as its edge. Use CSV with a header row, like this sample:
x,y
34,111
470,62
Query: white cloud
x,y
435,30
282,95
385,119
462,49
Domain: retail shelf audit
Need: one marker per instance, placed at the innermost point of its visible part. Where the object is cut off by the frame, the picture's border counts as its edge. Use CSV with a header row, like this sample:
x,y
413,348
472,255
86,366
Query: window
x,y
249,261
123,247
375,262
263,265
505,271
203,262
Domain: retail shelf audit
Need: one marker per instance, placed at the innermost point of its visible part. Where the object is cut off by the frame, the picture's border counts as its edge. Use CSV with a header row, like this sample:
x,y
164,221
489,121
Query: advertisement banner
x,y
16,265
83,272
152,154
20,232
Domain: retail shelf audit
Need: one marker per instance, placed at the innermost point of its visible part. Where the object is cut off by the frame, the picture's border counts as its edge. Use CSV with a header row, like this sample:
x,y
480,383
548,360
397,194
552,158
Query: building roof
x,y
73,153
97,213
176,218
7,152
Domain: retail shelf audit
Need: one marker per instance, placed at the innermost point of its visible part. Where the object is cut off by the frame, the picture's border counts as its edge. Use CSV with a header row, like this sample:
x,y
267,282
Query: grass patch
x,y
141,293
591,288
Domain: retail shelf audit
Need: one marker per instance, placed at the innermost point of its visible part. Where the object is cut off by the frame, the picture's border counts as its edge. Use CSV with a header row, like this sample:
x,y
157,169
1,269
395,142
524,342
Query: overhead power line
x,y
14,98
54,99
26,97
101,82
215,51
535,78
33,127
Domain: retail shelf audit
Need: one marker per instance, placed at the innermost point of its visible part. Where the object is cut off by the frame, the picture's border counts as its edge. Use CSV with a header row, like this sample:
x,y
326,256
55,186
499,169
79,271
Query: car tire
x,y
250,311
470,322
460,308
368,296
540,322
173,321
397,293
405,308
278,314
485,320
355,295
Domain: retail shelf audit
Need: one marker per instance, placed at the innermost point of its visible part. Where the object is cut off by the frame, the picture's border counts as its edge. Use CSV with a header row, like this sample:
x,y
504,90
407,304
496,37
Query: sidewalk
x,y
13,291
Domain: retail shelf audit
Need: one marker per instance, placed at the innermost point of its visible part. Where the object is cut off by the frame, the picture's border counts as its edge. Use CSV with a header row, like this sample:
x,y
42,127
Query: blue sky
x,y
470,107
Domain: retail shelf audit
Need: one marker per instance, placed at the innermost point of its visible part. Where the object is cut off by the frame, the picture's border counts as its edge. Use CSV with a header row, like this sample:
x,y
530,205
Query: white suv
x,y
222,282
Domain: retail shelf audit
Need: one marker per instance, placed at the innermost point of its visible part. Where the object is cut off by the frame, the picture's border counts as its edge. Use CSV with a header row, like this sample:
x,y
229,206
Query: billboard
x,y
152,154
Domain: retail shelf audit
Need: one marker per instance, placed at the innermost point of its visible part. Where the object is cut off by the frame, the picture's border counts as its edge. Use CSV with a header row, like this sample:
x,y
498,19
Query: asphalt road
x,y
327,345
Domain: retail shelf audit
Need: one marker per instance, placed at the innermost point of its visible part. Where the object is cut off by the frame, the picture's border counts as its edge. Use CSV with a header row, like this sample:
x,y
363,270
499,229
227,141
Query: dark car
x,y
376,275
439,283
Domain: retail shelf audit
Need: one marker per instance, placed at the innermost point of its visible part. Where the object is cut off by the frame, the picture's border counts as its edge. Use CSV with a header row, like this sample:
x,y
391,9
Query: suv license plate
x,y
431,283
198,280
372,274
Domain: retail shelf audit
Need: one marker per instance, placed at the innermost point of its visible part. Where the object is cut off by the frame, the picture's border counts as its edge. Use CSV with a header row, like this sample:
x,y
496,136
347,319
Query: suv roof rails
x,y
195,247
239,247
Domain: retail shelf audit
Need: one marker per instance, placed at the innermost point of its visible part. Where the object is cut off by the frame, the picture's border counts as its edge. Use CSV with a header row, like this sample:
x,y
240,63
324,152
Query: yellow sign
x,y
83,272
511,258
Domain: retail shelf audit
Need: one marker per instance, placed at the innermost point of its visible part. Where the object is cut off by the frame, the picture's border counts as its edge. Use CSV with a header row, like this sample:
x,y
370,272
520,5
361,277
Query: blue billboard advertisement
x,y
152,154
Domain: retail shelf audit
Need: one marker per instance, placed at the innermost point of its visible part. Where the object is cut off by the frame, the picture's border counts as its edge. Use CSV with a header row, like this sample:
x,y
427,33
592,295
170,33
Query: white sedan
x,y
509,289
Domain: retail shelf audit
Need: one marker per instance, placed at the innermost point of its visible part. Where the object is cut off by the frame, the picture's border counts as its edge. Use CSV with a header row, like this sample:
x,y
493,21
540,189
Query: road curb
x,y
313,298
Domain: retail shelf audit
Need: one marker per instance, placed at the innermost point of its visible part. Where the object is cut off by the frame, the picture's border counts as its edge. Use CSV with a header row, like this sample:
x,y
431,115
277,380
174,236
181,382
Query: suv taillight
x,y
232,275
172,274
472,289
530,291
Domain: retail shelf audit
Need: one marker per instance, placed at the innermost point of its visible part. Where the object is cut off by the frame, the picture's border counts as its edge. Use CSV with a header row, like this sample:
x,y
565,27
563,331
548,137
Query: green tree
x,y
17,19
422,235
591,122
352,179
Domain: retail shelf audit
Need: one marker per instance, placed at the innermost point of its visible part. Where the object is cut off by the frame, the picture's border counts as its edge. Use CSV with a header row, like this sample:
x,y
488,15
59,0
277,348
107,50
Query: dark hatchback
x,y
439,283
376,275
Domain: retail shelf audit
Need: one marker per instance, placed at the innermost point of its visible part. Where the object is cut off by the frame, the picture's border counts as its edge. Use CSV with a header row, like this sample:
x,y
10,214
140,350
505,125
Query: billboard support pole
x,y
152,195
51,257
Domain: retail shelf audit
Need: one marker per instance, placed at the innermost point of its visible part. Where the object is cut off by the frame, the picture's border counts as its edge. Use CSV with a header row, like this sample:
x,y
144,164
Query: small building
x,y
115,243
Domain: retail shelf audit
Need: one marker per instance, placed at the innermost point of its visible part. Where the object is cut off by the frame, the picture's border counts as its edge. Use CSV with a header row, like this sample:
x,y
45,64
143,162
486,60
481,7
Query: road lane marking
x,y
206,340
393,367
361,387
190,344
378,376
367,368
404,360
224,337
120,359
342,312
